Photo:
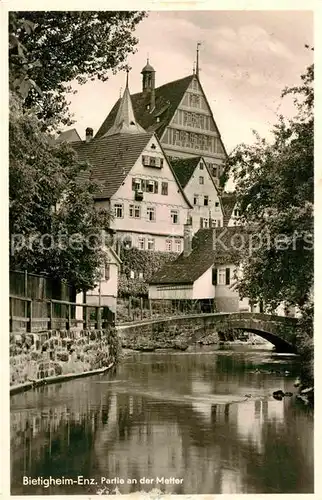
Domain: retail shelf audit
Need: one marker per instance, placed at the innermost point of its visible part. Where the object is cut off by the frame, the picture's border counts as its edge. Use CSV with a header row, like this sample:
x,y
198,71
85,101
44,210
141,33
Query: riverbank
x,y
55,356
53,380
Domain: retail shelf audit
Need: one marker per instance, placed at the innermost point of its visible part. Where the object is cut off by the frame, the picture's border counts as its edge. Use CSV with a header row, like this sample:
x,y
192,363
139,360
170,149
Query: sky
x,y
246,59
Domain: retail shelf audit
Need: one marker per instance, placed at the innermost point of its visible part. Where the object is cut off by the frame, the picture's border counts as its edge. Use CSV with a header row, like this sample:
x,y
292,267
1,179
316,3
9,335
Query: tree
x,y
55,228
49,49
275,189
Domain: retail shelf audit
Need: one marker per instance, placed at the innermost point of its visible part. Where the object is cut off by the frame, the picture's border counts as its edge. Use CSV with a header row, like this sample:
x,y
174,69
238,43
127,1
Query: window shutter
x,y
201,222
227,276
155,186
133,184
143,184
214,276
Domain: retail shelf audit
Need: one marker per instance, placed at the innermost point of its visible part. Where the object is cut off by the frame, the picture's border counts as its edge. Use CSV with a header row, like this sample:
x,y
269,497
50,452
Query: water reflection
x,y
167,415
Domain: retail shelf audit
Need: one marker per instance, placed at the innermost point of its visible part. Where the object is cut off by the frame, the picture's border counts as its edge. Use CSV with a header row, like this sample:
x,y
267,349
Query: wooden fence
x,y
38,303
40,287
60,315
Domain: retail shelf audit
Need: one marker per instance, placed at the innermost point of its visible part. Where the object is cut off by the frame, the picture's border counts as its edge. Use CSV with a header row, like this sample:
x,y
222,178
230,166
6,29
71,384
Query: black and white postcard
x,y
160,259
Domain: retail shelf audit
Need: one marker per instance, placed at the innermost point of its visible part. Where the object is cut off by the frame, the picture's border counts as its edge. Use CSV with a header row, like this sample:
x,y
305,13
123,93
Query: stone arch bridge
x,y
279,330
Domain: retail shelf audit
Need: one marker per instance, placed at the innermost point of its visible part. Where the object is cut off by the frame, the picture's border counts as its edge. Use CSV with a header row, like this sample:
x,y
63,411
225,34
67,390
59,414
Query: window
x,y
221,276
150,187
214,171
136,184
164,188
151,244
141,243
201,166
201,180
151,213
216,223
132,274
205,222
236,212
141,275
174,216
118,210
168,245
145,160
135,211
195,199
127,242
177,245
105,274
152,161
217,204
206,200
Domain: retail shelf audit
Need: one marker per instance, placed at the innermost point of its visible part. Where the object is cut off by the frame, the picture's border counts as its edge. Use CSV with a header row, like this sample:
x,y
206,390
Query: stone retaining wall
x,y
34,357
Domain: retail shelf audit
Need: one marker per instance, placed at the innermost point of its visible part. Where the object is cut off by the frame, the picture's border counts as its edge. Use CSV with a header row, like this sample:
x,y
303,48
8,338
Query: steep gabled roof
x,y
184,168
210,247
112,158
70,135
228,201
167,99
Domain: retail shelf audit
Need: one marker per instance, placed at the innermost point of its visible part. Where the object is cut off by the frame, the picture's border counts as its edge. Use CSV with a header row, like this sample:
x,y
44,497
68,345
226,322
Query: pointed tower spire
x,y
125,122
197,63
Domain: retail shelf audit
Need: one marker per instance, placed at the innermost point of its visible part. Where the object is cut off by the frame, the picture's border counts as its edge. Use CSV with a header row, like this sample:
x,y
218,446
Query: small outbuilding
x,y
205,272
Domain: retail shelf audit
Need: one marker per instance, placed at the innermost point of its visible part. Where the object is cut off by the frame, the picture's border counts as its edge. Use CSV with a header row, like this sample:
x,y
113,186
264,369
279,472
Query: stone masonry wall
x,y
167,334
35,356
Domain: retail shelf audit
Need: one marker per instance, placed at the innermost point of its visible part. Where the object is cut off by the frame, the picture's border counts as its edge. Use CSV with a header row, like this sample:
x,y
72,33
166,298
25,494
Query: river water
x,y
200,421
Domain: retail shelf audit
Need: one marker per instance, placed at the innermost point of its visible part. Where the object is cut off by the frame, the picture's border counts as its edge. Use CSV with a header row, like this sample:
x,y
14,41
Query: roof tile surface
x,y
210,247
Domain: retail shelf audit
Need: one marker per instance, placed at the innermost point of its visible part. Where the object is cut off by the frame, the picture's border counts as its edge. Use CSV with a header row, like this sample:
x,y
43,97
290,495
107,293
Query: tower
x,y
125,121
148,83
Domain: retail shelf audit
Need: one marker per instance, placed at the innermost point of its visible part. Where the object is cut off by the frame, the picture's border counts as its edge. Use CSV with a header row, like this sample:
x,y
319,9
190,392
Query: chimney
x,y
187,237
89,134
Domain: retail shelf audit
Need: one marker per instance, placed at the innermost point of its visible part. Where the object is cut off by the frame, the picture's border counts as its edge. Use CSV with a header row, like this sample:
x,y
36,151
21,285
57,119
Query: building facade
x,y
179,114
149,210
198,185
